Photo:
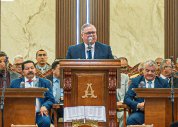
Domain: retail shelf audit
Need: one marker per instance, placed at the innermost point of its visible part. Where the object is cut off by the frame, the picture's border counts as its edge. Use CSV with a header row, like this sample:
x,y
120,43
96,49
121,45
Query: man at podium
x,y
43,105
90,48
148,80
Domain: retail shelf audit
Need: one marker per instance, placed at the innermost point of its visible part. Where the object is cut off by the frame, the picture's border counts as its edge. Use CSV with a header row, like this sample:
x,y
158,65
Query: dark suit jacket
x,y
48,101
130,97
102,51
50,77
175,82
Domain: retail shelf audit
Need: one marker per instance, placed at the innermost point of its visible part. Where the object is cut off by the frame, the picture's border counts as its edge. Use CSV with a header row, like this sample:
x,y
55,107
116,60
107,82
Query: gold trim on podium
x,y
78,123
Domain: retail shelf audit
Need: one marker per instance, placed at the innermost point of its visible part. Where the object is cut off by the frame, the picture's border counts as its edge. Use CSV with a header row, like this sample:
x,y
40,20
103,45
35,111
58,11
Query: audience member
x,y
90,48
57,89
6,75
158,60
125,68
167,72
150,80
17,64
120,96
42,65
43,105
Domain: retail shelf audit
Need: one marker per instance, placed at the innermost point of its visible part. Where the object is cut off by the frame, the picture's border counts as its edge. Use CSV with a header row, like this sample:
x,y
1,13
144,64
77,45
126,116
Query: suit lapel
x,y
82,51
39,83
156,83
97,50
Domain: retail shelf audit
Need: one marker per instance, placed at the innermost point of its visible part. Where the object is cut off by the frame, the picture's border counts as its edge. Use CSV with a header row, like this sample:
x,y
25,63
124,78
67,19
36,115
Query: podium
x,y
19,105
158,110
91,83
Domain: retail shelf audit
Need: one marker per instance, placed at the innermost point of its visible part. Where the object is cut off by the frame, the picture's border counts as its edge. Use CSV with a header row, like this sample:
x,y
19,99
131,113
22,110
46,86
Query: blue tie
x,y
149,84
89,54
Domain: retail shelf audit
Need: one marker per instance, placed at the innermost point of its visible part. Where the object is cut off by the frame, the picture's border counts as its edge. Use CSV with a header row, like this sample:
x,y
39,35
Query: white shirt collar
x,y
33,79
162,76
86,46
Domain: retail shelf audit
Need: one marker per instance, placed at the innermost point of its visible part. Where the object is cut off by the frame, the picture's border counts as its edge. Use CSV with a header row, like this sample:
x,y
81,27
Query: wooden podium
x,y
158,110
19,105
91,83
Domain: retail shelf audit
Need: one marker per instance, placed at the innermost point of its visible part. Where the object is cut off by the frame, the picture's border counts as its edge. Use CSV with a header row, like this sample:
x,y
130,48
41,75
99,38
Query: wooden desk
x,y
19,105
158,110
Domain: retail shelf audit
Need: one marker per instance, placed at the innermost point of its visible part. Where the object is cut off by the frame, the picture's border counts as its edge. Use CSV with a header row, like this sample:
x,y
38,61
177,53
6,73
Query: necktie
x,y
30,81
149,84
89,54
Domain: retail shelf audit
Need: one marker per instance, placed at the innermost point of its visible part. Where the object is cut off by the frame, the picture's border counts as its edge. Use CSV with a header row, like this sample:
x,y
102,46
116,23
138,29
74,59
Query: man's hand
x,y
43,111
141,106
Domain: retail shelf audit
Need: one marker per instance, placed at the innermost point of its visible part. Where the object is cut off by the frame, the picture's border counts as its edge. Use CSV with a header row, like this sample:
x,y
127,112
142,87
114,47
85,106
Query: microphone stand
x,y
172,92
2,96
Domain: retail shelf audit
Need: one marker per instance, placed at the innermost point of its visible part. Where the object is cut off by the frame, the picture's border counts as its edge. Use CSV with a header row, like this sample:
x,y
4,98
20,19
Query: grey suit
x,y
120,96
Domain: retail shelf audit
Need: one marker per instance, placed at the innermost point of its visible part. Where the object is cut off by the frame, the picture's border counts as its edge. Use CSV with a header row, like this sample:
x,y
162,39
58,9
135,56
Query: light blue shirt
x,y
56,89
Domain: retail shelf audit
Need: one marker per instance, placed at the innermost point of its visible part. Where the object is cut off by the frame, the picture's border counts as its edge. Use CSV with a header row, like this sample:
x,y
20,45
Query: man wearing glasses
x,y
90,48
166,72
147,80
42,65
17,64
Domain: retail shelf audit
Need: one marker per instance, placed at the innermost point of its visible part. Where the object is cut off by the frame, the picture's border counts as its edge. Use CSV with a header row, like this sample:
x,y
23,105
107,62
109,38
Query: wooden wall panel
x,y
171,28
99,16
65,25
66,22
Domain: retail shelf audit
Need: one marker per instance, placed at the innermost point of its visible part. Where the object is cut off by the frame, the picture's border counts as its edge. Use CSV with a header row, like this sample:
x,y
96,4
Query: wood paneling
x,y
65,25
171,28
66,22
99,16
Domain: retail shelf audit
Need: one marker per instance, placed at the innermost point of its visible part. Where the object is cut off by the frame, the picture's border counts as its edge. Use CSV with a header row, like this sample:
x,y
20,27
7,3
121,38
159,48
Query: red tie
x,y
29,81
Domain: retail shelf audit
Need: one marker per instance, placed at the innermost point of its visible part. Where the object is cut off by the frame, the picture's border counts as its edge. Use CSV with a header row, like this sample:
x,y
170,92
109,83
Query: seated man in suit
x,y
90,48
6,74
166,72
147,80
43,105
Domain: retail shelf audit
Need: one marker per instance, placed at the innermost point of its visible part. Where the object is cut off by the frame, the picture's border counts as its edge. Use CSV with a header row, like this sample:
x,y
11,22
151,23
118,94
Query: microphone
x,y
142,85
90,42
22,85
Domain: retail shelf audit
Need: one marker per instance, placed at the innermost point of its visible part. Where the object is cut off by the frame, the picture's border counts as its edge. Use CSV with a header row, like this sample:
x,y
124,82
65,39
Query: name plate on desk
x,y
95,113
